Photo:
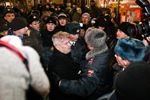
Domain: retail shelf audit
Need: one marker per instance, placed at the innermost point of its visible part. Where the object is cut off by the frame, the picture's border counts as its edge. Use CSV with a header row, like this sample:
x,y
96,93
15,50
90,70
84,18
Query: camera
x,y
143,28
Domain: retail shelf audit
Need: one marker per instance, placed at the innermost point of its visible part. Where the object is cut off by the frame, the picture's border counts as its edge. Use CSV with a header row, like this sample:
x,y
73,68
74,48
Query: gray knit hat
x,y
96,38
86,14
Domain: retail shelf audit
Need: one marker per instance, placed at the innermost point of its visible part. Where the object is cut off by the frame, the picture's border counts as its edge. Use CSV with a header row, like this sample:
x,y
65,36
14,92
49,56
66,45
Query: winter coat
x,y
60,28
63,65
4,25
93,11
96,76
14,76
47,37
75,14
79,50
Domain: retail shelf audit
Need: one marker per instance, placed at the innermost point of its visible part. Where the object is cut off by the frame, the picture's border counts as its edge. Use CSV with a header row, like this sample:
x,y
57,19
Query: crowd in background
x,y
71,54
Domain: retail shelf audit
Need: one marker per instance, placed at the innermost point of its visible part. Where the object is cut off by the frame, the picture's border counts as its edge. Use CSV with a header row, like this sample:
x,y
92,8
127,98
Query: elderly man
x,y
96,73
8,16
62,64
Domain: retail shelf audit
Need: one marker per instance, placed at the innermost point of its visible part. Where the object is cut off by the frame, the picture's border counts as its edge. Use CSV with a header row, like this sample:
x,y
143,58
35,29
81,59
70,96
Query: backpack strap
x,y
15,51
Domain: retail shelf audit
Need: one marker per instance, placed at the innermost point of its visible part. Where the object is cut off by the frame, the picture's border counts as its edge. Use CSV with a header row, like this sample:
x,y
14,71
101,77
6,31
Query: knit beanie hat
x,y
51,20
130,49
95,38
18,23
62,16
86,14
101,22
73,28
134,82
33,17
124,27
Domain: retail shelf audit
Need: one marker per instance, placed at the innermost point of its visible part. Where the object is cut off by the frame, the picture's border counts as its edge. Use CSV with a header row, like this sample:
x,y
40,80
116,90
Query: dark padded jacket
x,y
96,78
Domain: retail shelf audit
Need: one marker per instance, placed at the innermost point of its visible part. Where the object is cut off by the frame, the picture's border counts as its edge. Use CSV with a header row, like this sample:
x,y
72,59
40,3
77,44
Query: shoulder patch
x,y
90,72
90,62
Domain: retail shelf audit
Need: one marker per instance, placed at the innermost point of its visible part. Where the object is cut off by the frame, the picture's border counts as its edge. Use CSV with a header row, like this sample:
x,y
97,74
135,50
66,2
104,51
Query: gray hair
x,y
58,37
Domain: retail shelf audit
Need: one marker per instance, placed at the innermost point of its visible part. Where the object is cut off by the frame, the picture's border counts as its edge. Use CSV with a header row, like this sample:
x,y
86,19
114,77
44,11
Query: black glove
x,y
55,79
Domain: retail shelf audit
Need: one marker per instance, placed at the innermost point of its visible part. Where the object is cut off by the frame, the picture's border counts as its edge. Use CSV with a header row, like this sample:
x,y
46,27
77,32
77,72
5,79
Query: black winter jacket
x,y
64,67
96,78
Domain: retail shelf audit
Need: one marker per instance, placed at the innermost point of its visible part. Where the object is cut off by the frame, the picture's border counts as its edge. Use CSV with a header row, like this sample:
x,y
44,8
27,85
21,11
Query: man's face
x,y
9,17
85,19
74,37
120,34
21,31
102,28
50,26
91,3
89,47
119,60
62,22
64,46
35,25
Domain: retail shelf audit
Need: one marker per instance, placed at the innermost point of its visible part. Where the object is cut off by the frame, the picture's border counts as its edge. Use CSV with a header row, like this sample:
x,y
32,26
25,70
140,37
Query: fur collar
x,y
95,52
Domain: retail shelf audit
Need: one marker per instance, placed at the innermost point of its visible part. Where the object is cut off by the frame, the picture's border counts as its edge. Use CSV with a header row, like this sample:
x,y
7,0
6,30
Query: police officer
x,y
78,48
96,73
8,16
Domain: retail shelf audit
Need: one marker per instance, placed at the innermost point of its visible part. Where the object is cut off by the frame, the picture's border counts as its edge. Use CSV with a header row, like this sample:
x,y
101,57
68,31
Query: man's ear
x,y
30,25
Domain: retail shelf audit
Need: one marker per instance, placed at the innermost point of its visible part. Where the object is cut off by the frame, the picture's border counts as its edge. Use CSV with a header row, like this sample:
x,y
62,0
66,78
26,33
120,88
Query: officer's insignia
x,y
34,17
90,72
52,48
8,9
50,21
78,31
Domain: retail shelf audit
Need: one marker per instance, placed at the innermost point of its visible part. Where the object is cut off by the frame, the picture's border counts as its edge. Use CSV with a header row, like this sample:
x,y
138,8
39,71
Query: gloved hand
x,y
55,79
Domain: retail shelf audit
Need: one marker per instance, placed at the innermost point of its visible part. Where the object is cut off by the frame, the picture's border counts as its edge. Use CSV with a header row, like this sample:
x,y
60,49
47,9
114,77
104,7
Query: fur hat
x,y
73,28
95,38
130,49
8,10
62,16
124,27
51,20
33,17
18,23
86,14
134,82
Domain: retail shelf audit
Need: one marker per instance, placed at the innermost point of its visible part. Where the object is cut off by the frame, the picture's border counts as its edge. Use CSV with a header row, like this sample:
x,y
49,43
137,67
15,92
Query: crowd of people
x,y
71,54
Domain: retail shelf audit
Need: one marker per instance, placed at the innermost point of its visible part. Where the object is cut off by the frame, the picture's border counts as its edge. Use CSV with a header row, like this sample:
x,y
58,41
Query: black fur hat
x,y
8,10
33,17
73,28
